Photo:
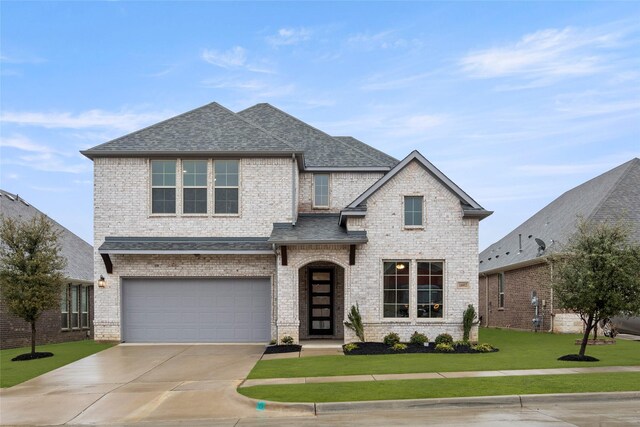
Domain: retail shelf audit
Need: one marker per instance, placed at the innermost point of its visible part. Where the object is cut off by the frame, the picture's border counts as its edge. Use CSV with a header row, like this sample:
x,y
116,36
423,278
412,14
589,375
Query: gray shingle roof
x,y
208,129
380,156
196,245
612,196
320,149
315,229
78,253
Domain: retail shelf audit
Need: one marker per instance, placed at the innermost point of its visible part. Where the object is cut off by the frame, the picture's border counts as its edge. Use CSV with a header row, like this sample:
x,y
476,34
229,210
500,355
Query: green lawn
x,y
12,373
438,388
518,350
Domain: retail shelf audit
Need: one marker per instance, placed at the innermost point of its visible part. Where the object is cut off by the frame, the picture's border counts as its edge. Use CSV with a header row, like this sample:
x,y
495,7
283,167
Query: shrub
x,y
273,342
399,347
444,339
350,347
287,339
418,338
391,339
483,348
444,348
468,318
461,344
355,322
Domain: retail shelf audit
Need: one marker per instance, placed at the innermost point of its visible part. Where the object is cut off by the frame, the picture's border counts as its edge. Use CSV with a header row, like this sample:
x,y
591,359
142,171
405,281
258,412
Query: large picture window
x,y
75,303
226,186
321,190
430,289
194,183
413,211
163,186
396,289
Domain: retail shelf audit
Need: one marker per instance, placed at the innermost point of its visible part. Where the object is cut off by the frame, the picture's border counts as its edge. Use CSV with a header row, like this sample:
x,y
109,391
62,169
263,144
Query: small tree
x,y
468,317
598,274
30,268
355,322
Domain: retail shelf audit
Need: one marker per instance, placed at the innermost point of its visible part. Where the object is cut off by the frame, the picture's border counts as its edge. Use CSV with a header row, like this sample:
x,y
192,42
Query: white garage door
x,y
196,310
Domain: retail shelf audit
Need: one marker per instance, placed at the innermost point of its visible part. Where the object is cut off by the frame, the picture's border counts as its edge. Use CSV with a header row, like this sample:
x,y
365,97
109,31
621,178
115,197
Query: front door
x,y
320,301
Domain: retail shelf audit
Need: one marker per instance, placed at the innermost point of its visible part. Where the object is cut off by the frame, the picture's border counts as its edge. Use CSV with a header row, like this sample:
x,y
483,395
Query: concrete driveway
x,y
134,383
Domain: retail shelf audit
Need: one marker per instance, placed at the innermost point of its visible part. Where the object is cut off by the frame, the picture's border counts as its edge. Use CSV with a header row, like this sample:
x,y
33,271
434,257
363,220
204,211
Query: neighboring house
x,y
73,319
515,266
215,226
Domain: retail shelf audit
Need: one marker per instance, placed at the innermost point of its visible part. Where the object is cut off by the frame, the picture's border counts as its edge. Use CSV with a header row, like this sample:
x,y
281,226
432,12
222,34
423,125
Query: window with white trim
x,y
64,308
321,190
194,186
396,288
500,290
84,307
430,289
75,298
163,186
75,304
413,211
226,186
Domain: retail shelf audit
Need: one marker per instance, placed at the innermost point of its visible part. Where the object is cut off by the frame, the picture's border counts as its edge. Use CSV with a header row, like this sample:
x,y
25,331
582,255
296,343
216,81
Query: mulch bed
x,y
373,348
284,348
29,356
578,358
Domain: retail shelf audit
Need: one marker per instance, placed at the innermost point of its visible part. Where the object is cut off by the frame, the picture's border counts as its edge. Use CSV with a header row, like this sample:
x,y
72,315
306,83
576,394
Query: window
x,y
64,308
500,290
413,211
396,289
84,307
430,282
163,186
226,185
194,183
74,306
321,190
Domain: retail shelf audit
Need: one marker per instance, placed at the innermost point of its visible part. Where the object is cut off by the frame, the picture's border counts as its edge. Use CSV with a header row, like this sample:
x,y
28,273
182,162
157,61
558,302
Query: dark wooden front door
x,y
321,301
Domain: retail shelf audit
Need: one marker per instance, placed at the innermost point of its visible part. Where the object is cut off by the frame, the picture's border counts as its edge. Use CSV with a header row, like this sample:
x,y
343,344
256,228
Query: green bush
x,y
273,342
468,318
483,348
399,347
461,343
444,339
444,348
355,322
418,338
348,348
391,339
288,340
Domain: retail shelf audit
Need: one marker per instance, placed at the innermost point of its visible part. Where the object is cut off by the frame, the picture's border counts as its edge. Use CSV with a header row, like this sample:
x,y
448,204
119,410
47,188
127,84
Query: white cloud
x,y
50,162
289,36
235,57
122,120
549,54
23,143
383,40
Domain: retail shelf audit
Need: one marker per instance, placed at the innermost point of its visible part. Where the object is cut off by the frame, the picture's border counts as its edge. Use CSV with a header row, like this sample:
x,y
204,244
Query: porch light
x,y
102,283
400,267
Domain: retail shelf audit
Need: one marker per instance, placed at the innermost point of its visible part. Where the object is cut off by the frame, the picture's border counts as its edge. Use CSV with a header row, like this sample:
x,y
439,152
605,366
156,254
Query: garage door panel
x,y
196,310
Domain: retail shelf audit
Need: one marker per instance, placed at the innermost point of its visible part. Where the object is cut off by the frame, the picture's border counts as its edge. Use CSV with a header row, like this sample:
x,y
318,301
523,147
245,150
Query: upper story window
x,y
194,183
396,289
321,190
226,186
163,186
500,290
413,211
430,292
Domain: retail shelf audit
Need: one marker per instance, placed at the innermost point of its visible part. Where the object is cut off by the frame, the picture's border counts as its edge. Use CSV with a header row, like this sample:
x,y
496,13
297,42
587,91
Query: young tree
x,y
598,274
30,268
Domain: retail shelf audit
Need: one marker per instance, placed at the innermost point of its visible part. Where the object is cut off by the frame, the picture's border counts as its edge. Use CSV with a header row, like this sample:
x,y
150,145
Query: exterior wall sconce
x,y
102,283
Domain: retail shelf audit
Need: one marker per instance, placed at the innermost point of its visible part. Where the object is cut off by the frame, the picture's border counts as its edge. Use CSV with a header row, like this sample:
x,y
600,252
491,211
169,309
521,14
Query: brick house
x,y
215,226
516,265
73,320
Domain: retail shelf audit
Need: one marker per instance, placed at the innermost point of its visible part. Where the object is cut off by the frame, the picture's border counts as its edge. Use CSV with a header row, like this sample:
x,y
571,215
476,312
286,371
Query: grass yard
x,y
12,373
445,387
518,350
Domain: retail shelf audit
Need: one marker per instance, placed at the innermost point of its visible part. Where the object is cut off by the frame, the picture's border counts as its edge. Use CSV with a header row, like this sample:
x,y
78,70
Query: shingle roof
x,y
320,149
208,129
612,196
382,157
186,245
78,253
315,229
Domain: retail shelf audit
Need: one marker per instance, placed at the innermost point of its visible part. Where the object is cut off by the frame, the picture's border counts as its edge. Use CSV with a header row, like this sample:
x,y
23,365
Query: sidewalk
x,y
436,375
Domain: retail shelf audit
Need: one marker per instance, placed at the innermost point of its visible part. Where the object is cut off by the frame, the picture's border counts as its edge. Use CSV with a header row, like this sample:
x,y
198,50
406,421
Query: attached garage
x,y
196,310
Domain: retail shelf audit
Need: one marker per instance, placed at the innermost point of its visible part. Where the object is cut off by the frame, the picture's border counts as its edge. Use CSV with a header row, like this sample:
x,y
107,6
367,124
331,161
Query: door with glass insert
x,y
320,302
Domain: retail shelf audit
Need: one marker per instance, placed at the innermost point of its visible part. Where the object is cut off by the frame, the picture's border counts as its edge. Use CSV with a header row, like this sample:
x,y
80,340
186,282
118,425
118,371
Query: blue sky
x,y
516,102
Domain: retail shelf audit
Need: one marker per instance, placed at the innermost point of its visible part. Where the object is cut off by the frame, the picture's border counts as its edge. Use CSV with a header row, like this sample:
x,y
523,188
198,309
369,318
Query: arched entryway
x,y
321,293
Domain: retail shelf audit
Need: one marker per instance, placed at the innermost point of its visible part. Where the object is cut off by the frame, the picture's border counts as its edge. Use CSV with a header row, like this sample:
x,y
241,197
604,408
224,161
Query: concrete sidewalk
x,y
436,375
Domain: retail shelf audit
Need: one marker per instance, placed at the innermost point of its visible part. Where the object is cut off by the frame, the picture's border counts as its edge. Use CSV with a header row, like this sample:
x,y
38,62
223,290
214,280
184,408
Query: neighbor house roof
x,y
610,197
321,151
315,229
470,207
185,245
77,252
209,129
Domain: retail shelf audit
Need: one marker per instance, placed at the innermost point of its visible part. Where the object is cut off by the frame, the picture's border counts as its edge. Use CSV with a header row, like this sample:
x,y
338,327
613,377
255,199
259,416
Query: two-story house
x,y
215,226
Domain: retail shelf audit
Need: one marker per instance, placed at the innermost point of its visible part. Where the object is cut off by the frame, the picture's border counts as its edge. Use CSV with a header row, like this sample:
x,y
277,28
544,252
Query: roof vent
x,y
507,253
497,256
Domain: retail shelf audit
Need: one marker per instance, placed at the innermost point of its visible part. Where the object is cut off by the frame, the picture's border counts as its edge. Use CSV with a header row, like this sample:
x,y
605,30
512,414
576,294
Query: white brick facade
x,y
344,187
